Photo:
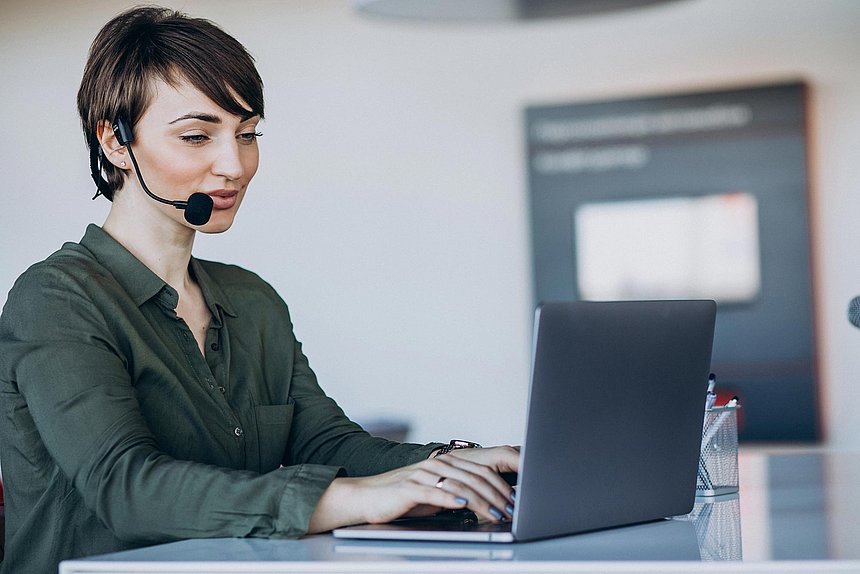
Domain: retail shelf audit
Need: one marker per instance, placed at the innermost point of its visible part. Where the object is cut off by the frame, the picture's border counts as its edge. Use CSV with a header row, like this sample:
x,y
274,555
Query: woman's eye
x,y
194,139
249,137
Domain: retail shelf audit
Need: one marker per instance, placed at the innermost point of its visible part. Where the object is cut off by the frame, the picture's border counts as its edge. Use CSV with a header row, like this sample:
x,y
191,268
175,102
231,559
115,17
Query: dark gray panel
x,y
751,140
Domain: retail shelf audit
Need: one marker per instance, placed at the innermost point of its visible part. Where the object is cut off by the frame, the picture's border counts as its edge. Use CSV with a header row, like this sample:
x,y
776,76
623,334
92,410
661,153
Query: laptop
x,y
613,427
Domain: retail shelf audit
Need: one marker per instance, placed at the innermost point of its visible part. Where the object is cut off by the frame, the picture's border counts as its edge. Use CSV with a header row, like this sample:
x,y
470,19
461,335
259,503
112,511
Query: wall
x,y
390,209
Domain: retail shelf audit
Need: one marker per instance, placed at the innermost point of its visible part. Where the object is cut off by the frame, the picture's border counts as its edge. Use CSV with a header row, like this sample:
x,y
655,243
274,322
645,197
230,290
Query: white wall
x,y
391,206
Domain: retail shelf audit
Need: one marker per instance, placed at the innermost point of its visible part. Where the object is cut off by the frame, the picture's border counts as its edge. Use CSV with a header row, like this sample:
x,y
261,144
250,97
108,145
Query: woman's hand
x,y
465,478
499,458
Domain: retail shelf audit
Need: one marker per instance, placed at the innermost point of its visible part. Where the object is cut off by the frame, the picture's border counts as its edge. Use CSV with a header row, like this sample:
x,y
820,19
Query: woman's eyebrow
x,y
198,116
203,116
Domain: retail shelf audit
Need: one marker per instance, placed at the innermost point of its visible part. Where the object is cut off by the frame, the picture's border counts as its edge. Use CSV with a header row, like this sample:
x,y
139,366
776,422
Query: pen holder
x,y
718,458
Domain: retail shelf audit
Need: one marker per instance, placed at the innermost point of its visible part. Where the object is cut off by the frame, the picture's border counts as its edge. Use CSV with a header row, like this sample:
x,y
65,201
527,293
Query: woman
x,y
150,396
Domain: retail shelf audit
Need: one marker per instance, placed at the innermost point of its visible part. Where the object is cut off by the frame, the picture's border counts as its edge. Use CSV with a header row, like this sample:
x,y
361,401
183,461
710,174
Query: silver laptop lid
x,y
615,414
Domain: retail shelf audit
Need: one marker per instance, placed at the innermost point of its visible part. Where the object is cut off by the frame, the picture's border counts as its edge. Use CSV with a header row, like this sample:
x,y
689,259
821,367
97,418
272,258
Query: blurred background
x,y
392,210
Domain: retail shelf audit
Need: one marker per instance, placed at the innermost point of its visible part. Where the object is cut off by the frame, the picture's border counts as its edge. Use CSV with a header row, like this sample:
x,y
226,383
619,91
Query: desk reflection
x,y
717,521
711,532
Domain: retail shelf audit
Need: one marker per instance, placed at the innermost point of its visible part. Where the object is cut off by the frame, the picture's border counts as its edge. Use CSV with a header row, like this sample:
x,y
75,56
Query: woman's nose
x,y
228,162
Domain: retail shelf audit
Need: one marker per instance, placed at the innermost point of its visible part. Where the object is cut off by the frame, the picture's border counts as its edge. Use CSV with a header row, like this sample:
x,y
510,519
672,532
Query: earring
x,y
122,164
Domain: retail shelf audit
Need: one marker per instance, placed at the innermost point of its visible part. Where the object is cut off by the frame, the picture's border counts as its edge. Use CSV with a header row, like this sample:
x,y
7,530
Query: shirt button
x,y
185,335
238,432
222,389
214,346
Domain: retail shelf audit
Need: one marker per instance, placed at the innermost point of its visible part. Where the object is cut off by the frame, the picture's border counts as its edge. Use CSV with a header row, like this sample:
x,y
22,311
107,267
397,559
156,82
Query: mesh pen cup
x,y
718,458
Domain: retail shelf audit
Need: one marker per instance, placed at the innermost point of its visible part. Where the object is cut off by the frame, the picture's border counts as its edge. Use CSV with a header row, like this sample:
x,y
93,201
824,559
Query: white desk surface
x,y
797,511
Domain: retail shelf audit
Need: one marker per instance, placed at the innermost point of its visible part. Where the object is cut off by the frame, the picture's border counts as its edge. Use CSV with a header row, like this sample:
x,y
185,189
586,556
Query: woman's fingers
x,y
495,508
488,494
499,458
480,472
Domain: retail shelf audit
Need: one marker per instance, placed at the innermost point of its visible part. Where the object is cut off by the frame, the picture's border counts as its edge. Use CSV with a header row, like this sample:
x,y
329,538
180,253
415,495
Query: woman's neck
x,y
160,243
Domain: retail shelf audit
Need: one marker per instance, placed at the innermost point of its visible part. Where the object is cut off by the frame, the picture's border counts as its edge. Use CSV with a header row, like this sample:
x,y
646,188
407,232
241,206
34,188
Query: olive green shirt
x,y
116,432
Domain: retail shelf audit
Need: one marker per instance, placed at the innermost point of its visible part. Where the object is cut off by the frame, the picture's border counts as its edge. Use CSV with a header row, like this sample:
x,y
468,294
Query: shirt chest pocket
x,y
273,429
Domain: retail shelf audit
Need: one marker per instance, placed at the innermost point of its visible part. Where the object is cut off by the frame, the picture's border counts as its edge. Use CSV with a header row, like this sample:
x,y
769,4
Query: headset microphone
x,y
198,208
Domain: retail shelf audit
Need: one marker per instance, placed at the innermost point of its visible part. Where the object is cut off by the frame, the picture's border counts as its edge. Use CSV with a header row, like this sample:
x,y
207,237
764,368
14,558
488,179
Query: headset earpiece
x,y
122,131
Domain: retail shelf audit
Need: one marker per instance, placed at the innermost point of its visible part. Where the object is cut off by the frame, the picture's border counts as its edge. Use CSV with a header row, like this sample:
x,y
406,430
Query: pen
x,y
711,396
717,422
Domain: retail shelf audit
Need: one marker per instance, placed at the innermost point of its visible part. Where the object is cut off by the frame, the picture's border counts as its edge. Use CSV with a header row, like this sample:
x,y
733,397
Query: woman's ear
x,y
112,149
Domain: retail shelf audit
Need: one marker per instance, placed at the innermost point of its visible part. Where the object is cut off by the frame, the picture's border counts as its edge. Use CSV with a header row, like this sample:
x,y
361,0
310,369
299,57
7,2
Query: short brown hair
x,y
148,43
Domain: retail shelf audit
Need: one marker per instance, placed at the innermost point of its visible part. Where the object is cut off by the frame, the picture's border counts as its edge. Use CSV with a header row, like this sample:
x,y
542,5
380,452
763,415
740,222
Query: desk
x,y
797,512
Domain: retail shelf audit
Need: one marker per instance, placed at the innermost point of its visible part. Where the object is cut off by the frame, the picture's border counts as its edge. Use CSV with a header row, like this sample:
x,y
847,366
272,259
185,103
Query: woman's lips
x,y
223,198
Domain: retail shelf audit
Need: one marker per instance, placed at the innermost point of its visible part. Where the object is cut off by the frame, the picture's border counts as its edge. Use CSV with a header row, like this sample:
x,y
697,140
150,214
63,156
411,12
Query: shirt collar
x,y
135,277
212,292
140,282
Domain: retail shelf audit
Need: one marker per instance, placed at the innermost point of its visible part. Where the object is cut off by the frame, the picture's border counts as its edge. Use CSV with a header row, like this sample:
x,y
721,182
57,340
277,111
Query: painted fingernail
x,y
510,509
514,495
497,514
461,500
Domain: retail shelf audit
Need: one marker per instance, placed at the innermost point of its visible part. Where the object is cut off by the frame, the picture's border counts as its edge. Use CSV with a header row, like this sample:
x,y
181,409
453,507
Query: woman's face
x,y
185,143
